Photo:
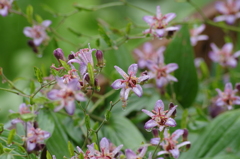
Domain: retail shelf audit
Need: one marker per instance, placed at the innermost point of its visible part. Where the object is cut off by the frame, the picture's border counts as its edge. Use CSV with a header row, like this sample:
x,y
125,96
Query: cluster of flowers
x,y
34,139
71,85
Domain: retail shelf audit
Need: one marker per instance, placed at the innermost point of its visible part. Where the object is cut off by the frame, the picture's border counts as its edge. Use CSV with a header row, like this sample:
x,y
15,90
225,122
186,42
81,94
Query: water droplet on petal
x,y
149,130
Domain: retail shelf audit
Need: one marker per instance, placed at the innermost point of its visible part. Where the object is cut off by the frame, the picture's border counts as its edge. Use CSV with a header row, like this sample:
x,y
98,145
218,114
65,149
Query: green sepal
x,y
65,65
11,136
87,122
38,74
90,73
48,155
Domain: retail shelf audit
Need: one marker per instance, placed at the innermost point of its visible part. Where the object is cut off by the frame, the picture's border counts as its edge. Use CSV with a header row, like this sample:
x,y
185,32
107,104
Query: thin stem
x,y
112,4
17,93
139,8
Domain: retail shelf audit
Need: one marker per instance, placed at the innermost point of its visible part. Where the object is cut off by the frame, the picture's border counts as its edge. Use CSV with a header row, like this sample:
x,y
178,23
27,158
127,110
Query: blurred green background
x,y
17,58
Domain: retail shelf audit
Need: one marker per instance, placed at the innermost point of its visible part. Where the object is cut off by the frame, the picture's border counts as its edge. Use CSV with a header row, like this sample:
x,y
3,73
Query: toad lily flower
x,y
228,97
5,5
67,94
230,11
148,53
159,23
161,72
23,109
129,83
37,32
132,155
160,118
35,138
224,56
105,150
195,37
169,143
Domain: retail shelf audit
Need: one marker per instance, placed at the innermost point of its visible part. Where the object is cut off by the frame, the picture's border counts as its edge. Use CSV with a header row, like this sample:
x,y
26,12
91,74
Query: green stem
x,y
107,5
17,93
133,6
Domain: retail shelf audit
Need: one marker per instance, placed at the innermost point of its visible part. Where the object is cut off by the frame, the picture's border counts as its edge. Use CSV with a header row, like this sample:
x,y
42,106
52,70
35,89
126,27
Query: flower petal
x,y
138,90
53,94
132,69
227,48
159,105
150,124
27,32
171,122
175,152
46,23
147,112
116,150
155,141
171,67
121,72
104,145
70,107
143,152
169,17
177,134
118,84
130,154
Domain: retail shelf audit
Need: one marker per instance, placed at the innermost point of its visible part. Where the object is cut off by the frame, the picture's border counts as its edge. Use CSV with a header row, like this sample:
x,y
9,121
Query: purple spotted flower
x,y
129,82
169,143
227,97
148,53
23,109
224,56
195,37
37,32
105,152
132,155
35,138
161,72
159,117
83,57
5,5
159,23
67,94
229,9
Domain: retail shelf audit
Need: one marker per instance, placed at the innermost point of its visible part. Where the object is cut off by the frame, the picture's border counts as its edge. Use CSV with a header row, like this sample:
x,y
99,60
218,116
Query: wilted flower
x,y
228,97
229,9
169,143
160,118
161,72
148,53
37,32
35,138
159,23
5,5
67,94
224,56
132,155
105,151
130,82
83,57
23,109
195,37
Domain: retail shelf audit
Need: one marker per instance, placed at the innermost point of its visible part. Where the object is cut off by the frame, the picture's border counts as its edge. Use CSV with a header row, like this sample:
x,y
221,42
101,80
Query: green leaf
x,y
45,121
38,18
120,130
1,128
29,13
70,148
16,138
81,8
28,116
90,73
1,149
65,65
219,137
49,156
104,35
11,136
32,87
87,122
38,74
180,51
128,28
14,115
224,157
74,32
57,143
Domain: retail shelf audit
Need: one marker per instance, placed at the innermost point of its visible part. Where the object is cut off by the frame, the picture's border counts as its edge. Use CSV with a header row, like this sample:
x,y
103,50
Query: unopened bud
x,y
99,56
58,53
171,105
70,56
31,43
238,87
87,78
155,132
185,134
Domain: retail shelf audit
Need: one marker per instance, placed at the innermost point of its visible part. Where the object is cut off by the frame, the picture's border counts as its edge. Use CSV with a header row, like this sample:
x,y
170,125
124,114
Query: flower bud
x,y
58,53
87,78
31,44
185,134
70,56
100,60
238,87
155,132
171,105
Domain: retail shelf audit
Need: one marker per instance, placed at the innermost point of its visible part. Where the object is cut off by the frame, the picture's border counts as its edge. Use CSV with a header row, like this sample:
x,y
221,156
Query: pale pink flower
x,y
159,23
161,72
159,117
148,53
224,56
35,138
37,32
67,94
169,143
105,151
5,5
227,97
229,9
195,37
129,82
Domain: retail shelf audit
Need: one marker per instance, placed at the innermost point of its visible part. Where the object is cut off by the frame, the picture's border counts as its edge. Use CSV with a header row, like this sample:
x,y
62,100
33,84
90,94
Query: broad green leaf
x,y
120,130
16,138
220,136
45,121
181,52
128,28
29,13
104,35
224,157
11,136
70,148
13,115
49,156
38,74
57,143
